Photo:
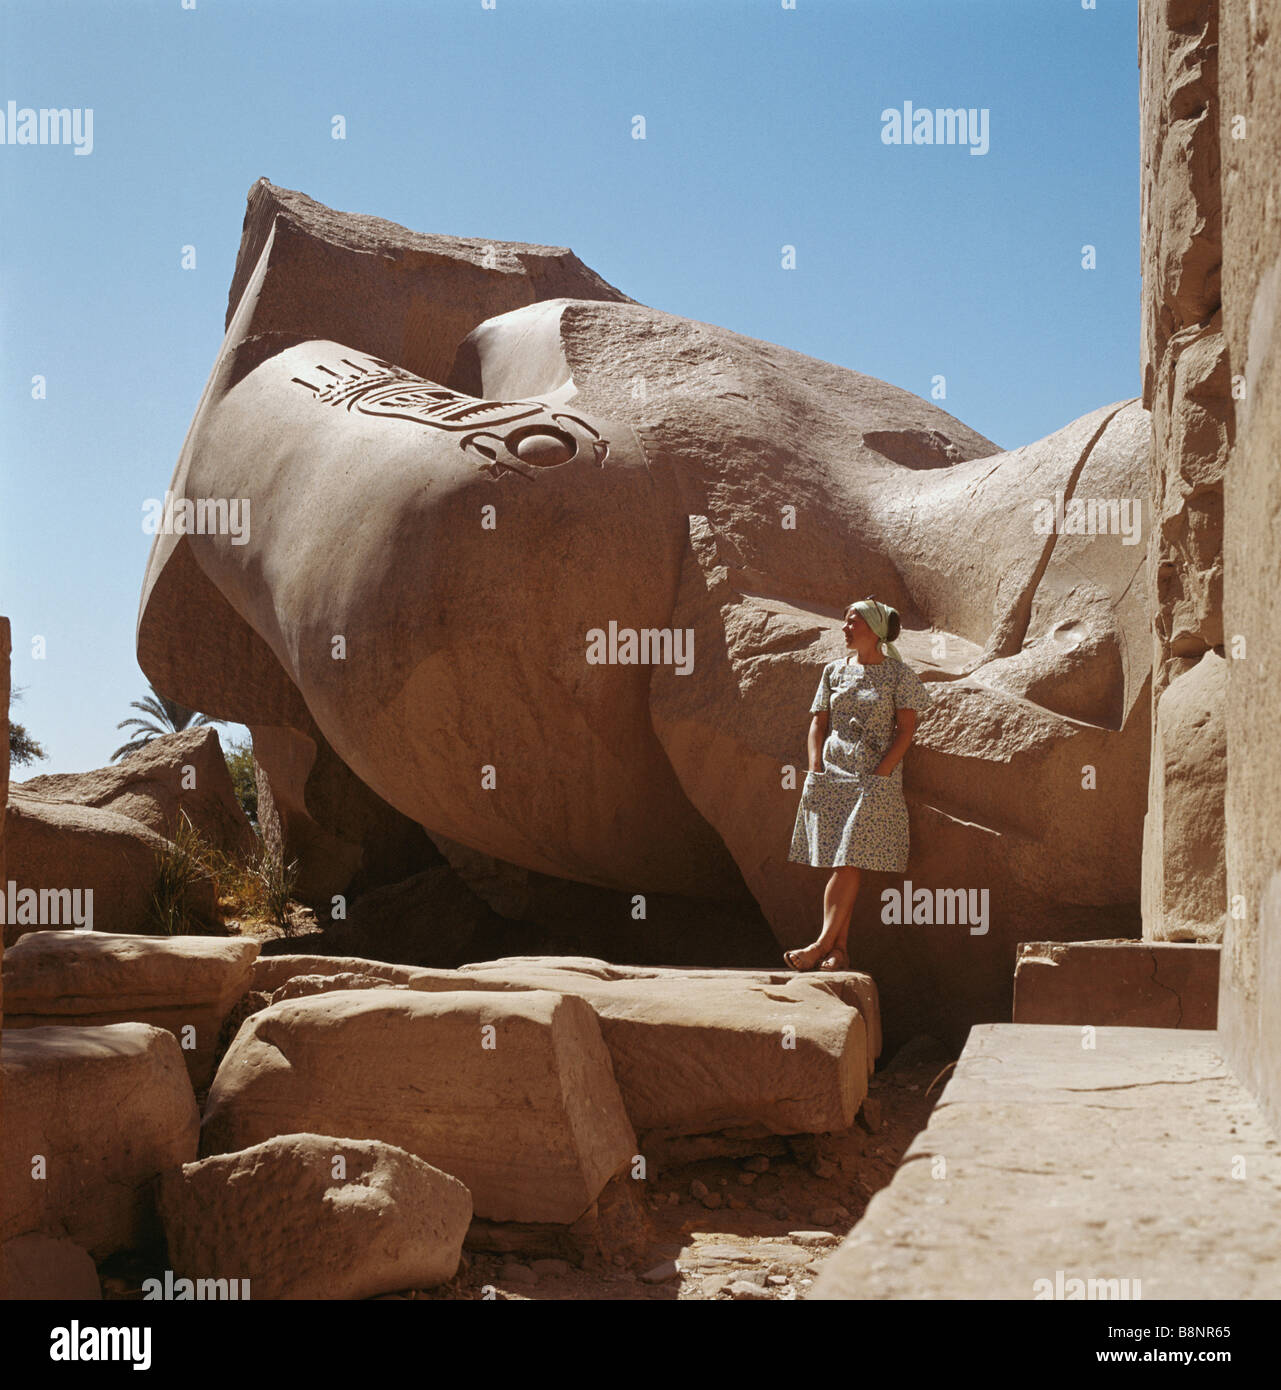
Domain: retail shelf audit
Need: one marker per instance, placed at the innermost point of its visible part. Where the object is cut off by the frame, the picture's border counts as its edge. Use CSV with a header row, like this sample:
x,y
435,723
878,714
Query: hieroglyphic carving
x,y
545,438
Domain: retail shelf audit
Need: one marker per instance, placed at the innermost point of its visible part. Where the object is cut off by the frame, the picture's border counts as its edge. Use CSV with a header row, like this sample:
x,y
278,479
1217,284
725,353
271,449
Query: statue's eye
x,y
542,447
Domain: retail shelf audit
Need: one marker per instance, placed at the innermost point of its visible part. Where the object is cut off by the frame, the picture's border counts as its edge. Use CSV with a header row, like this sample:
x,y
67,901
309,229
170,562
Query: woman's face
x,y
855,628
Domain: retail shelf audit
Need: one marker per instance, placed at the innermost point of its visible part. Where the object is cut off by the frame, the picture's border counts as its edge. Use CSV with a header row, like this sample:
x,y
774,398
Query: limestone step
x,y
1058,1154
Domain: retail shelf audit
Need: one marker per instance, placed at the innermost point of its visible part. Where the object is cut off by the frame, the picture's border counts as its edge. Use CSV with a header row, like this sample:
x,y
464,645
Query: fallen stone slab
x,y
92,1115
308,1216
55,846
512,1093
177,774
706,1051
270,972
1124,984
1062,1163
48,1268
852,986
187,984
300,986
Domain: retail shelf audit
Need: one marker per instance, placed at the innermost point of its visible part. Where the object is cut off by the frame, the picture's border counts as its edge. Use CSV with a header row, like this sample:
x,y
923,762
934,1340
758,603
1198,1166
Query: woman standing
x,y
852,814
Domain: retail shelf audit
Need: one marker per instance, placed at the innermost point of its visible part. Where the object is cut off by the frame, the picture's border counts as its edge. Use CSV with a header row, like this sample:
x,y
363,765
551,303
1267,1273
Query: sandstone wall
x,y
1210,105
1186,387
1250,149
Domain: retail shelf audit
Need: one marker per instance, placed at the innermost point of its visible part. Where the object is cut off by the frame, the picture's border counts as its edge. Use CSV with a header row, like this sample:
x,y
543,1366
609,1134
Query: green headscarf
x,y
877,617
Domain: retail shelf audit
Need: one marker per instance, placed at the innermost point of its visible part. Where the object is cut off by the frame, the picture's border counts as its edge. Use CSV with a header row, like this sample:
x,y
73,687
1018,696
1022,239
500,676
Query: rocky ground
x,y
755,1227
752,1228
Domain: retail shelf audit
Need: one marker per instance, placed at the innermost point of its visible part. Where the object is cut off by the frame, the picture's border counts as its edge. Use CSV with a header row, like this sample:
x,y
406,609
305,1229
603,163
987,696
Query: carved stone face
x,y
502,436
430,572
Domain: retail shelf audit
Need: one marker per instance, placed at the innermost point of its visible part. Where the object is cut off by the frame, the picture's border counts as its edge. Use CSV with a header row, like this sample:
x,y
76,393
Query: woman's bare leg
x,y
838,906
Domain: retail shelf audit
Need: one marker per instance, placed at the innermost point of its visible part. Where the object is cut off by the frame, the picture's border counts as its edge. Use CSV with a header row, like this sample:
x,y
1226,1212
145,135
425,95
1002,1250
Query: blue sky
x,y
514,123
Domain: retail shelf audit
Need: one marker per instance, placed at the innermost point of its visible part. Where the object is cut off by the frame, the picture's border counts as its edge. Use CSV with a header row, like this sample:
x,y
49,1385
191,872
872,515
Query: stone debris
x,y
110,1108
187,984
174,775
277,1214
813,1239
512,1092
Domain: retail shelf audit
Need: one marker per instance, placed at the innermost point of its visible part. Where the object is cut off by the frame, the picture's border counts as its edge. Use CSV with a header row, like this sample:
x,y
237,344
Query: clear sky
x,y
515,123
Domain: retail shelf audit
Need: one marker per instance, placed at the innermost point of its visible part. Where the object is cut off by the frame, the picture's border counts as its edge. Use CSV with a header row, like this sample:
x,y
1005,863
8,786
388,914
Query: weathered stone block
x,y
1130,984
513,1093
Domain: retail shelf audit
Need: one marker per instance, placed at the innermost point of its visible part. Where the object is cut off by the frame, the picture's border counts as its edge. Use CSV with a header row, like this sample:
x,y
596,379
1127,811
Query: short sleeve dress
x,y
850,816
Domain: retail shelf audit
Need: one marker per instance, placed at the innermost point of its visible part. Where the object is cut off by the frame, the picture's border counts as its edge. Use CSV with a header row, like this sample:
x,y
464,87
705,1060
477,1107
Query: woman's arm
x,y
817,737
905,726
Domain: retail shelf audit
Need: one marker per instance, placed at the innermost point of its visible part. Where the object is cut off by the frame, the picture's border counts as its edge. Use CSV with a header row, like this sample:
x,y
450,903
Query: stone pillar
x,y
4,777
1250,147
1186,387
4,877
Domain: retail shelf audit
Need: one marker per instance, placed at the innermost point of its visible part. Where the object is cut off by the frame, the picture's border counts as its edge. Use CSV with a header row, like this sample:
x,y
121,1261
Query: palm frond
x,y
141,725
164,716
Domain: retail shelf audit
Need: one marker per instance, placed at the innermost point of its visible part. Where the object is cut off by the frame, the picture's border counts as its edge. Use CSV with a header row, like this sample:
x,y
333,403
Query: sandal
x,y
791,957
836,960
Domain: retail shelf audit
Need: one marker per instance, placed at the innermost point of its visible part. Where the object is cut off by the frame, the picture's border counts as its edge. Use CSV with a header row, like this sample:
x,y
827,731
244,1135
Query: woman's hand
x,y
817,738
905,727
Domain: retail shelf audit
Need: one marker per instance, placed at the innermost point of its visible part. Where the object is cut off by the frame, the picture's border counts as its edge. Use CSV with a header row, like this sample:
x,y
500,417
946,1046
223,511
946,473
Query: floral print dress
x,y
850,816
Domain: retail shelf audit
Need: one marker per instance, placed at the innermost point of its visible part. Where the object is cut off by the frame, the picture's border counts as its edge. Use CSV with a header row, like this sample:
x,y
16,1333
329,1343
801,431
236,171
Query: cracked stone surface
x,y
1140,1158
1131,984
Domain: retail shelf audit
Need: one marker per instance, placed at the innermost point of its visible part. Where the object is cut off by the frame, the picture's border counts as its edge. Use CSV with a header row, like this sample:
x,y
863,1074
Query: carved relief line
x,y
391,391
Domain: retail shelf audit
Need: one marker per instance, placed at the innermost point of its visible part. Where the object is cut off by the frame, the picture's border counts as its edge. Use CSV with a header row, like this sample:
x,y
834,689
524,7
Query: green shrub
x,y
181,865
244,779
276,880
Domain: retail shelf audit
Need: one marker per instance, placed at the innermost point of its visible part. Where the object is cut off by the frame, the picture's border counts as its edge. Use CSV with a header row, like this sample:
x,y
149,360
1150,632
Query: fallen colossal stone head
x,y
554,575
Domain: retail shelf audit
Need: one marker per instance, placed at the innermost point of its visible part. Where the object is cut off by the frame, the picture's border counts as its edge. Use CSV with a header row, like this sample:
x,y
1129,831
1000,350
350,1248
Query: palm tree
x,y
166,717
23,749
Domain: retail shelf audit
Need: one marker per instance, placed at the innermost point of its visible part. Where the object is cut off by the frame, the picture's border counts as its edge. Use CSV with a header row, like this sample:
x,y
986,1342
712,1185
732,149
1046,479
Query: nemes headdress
x,y
877,617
